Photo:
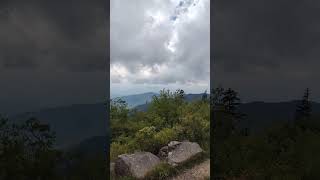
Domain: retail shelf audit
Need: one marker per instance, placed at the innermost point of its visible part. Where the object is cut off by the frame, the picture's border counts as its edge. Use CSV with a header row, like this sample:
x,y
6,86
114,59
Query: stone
x,y
136,165
163,152
183,152
112,167
174,143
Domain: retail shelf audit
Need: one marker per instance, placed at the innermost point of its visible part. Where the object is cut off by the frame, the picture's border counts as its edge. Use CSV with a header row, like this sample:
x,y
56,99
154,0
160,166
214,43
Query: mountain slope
x,y
188,97
264,114
138,99
72,124
96,145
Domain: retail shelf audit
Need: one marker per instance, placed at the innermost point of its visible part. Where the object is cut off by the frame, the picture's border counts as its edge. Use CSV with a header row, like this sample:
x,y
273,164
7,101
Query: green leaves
x,y
26,150
169,117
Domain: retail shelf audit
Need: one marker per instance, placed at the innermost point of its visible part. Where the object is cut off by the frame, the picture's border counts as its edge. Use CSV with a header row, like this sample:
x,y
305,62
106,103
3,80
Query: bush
x,y
164,136
117,149
195,123
144,139
168,118
162,171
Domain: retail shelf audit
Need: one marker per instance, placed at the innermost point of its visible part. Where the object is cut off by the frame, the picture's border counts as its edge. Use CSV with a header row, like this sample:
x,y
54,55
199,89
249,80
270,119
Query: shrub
x,y
162,171
164,136
117,149
144,139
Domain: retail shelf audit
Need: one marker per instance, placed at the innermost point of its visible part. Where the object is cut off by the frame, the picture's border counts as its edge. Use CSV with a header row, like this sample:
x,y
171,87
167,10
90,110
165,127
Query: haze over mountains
x,y
138,99
79,124
261,115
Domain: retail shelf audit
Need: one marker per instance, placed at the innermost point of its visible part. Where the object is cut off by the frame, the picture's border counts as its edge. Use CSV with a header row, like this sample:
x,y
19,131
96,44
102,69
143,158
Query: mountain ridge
x,y
79,122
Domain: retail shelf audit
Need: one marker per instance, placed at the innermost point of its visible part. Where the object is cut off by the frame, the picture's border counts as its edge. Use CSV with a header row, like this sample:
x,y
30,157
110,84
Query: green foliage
x,y
195,122
164,108
162,171
27,152
144,139
116,149
169,117
284,151
165,136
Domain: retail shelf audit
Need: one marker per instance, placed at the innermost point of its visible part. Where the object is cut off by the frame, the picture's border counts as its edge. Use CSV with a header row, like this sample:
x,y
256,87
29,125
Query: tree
x,y
217,96
165,107
231,101
303,111
119,123
204,96
26,150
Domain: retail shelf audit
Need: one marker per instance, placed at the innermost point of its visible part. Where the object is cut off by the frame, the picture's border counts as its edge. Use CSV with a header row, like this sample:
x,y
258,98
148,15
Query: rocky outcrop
x,y
139,164
112,167
136,165
163,152
178,152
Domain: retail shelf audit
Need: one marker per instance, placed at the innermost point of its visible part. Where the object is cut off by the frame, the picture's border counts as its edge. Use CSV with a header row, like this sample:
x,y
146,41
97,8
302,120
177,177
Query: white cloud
x,y
160,43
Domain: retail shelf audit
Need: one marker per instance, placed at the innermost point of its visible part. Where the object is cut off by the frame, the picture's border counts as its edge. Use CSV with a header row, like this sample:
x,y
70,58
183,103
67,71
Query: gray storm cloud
x,y
52,53
267,49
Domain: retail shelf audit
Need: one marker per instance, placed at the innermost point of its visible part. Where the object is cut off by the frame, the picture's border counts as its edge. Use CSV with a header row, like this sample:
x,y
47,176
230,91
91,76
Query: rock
x,y
183,152
174,143
163,152
112,167
136,165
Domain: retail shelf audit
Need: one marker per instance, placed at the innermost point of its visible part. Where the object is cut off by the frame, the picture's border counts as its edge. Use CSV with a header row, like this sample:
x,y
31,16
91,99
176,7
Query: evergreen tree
x,y
231,101
204,96
216,96
303,110
227,114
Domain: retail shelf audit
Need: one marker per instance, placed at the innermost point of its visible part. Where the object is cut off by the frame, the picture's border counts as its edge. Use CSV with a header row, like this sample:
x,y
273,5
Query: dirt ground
x,y
198,172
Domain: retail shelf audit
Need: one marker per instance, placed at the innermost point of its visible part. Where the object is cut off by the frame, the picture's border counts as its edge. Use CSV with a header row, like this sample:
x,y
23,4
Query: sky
x,y
156,44
267,50
52,53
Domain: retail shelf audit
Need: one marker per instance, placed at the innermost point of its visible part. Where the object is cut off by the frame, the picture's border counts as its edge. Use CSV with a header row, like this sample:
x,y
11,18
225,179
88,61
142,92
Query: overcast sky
x,y
52,53
158,44
268,50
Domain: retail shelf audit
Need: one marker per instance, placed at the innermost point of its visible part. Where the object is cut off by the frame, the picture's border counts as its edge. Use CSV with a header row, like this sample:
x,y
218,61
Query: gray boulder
x,y
112,167
178,153
163,152
136,165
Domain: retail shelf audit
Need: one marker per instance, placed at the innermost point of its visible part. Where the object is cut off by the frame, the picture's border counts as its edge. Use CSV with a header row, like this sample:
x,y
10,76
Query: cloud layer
x,y
267,49
160,43
66,35
52,53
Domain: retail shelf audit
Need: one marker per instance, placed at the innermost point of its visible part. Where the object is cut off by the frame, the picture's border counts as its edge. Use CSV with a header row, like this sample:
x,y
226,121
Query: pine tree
x,y
231,101
216,97
204,96
303,110
227,113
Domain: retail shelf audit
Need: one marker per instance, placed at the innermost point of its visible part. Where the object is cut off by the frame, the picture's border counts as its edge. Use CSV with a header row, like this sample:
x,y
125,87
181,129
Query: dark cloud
x,y
34,32
267,49
52,53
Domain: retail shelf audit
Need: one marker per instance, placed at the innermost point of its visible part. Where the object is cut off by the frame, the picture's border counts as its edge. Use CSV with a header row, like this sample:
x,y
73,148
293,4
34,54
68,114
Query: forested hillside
x,y
168,117
285,149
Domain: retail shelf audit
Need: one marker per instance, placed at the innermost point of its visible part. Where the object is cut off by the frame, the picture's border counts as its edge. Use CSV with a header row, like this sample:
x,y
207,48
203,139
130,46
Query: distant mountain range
x,y
188,97
72,124
78,125
138,99
263,114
